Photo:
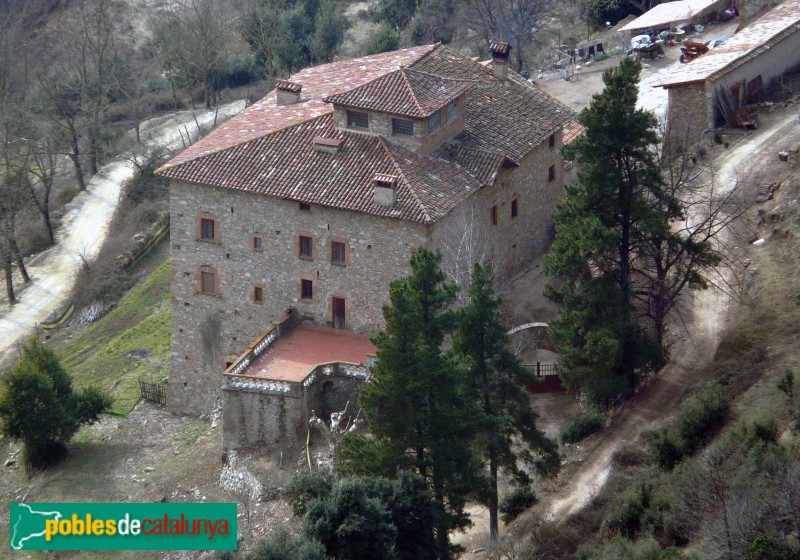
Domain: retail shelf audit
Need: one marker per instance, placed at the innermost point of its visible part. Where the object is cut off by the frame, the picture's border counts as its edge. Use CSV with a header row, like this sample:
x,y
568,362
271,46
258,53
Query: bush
x,y
306,486
635,511
282,546
630,455
786,383
512,505
665,451
383,39
698,422
623,549
580,426
771,546
39,407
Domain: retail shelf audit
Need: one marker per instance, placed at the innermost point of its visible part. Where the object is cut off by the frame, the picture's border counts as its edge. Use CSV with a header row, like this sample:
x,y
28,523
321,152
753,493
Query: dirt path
x,y
85,227
709,312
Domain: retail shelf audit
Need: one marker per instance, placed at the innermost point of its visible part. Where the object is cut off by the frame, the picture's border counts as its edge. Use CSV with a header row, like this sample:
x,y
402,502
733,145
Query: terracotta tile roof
x,y
405,92
499,47
427,188
269,149
759,36
572,132
266,116
508,117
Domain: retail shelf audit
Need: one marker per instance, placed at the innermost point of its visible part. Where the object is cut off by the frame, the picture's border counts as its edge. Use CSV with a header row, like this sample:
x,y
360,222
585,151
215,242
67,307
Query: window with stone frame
x,y
305,207
452,112
306,247
551,174
207,228
358,120
338,253
434,123
402,127
551,142
207,281
494,215
514,208
306,289
257,242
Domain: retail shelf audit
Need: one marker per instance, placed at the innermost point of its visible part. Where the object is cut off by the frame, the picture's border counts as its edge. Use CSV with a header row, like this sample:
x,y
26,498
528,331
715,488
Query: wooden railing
x,y
153,392
543,370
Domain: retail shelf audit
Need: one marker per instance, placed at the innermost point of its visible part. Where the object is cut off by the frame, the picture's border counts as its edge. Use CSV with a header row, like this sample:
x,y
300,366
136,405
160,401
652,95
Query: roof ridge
x,y
420,204
411,89
448,78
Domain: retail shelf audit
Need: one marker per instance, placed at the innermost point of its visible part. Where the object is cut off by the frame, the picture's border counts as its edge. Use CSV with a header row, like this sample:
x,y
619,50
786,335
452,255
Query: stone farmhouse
x,y
290,220
705,91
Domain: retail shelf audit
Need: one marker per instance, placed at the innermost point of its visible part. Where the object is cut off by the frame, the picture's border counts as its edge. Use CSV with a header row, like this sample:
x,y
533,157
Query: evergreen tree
x,y
39,406
416,404
496,379
618,206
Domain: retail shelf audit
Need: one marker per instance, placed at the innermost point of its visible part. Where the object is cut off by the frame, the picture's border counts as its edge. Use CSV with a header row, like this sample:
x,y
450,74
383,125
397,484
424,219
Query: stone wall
x,y
689,114
513,240
208,331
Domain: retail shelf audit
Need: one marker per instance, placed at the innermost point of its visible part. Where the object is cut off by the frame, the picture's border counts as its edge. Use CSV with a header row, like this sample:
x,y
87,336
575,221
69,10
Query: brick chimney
x,y
288,92
327,145
500,52
385,189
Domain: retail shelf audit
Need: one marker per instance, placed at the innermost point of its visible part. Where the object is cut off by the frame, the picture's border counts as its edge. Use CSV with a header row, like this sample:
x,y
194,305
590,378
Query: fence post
x,y
538,369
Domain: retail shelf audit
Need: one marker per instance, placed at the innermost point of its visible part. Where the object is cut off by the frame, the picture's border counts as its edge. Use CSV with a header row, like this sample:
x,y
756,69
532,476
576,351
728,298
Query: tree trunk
x,y
93,151
75,156
47,223
494,529
20,262
9,279
442,536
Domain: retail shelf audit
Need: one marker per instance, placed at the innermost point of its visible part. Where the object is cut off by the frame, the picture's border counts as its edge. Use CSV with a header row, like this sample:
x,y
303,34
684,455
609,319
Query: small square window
x,y
258,294
514,208
434,123
338,252
452,112
305,207
494,215
402,127
551,173
357,119
258,243
552,141
207,229
306,247
306,289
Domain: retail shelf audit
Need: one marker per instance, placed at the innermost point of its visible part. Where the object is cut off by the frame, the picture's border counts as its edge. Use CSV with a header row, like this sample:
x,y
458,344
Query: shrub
x,y
512,505
282,546
771,546
699,421
630,455
39,407
383,39
786,383
580,426
665,451
619,548
306,486
635,511
796,415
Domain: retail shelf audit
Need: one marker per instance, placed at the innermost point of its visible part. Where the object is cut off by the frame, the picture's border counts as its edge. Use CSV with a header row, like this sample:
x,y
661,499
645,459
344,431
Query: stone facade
x,y
689,113
210,331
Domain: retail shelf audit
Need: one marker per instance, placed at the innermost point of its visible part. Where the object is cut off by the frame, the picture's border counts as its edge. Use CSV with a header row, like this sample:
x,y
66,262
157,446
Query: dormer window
x,y
358,120
434,123
402,127
452,112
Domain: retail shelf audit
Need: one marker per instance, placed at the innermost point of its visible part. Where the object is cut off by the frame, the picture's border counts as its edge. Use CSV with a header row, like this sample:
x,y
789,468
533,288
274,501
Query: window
x,y
306,247
357,119
514,208
402,127
257,243
258,294
206,229
305,207
552,141
452,112
434,122
207,281
551,173
306,289
494,215
338,251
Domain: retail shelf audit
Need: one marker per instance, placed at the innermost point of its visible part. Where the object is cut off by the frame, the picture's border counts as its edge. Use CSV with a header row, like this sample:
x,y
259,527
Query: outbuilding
x,y
706,92
674,14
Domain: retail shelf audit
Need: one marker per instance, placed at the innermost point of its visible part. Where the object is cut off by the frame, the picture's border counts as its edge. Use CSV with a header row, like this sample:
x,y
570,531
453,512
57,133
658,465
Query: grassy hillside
x,y
129,344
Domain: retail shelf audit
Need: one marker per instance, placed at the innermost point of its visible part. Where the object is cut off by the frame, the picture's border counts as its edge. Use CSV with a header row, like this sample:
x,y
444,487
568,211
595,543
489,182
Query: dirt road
x,y
709,312
85,226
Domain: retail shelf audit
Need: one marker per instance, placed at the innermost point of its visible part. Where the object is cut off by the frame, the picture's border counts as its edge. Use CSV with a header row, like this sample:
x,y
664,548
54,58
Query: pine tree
x,y
415,402
496,380
618,206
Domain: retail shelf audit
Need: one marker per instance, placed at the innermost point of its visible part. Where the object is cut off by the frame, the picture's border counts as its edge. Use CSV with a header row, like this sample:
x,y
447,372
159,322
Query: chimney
x,y
327,145
385,189
288,92
500,52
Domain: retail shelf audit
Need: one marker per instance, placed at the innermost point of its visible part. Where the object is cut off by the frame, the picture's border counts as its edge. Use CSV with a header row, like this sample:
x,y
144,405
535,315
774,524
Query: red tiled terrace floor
x,y
296,353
